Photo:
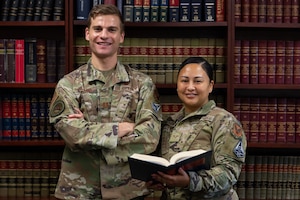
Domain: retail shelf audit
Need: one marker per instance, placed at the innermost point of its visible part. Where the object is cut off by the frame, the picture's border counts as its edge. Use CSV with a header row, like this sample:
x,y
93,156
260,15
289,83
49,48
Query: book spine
x,y
20,165
13,10
30,61
47,10
278,11
296,60
161,55
37,15
163,11
209,10
58,10
12,176
280,62
154,11
20,61
51,63
291,120
238,11
173,10
61,67
14,118
253,11
138,11
270,183
295,11
11,61
253,62
128,10
5,10
289,62
41,60
146,11
6,117
29,10
245,10
245,116
220,66
220,10
169,60
262,11
83,8
44,177
2,60
287,10
271,11
264,178
21,116
263,119
184,11
262,61
257,176
245,55
237,61
254,119
27,117
297,120
281,120
42,108
196,11
272,119
271,61
34,114
250,163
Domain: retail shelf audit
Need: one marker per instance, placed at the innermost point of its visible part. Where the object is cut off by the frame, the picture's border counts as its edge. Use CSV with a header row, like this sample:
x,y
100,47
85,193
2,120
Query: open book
x,y
142,166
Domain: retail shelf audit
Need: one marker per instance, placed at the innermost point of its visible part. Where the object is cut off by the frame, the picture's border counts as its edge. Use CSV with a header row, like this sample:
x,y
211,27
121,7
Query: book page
x,y
152,159
185,154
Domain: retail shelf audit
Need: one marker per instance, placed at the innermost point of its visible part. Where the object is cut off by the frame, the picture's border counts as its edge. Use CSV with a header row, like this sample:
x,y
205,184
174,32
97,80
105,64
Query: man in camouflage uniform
x,y
105,112
200,124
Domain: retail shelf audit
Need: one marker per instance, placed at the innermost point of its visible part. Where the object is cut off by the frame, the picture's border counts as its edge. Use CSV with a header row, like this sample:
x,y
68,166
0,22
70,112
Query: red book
x,y
278,11
110,2
237,108
263,119
271,61
20,62
262,11
21,116
41,60
253,11
287,10
262,61
245,55
280,62
238,11
220,10
295,11
245,10
14,117
245,117
272,119
253,60
290,120
237,61
270,11
281,119
297,120
173,10
254,119
27,117
296,78
289,62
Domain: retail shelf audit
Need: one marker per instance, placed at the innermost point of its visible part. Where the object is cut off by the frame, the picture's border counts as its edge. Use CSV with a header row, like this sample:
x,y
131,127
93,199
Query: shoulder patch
x,y
238,150
155,107
237,131
57,108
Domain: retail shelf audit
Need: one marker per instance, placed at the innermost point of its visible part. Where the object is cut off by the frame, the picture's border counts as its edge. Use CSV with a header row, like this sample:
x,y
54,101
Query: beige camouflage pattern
x,y
94,163
208,128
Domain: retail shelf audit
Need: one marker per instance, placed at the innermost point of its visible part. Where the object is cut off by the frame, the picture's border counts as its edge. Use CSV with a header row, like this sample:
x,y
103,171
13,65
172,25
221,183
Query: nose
x,y
191,85
104,33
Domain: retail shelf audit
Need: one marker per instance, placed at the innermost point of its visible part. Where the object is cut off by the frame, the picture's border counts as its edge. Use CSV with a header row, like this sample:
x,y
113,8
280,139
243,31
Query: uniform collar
x,y
120,74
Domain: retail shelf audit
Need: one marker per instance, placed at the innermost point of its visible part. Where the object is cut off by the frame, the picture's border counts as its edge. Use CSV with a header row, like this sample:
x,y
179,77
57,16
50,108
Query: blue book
x,y
209,10
83,8
196,10
173,11
184,11
128,10
163,10
6,117
154,11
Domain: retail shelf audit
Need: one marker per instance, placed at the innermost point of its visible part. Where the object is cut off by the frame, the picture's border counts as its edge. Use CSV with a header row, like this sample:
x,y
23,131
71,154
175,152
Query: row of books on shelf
x,y
32,10
24,175
267,11
25,117
269,177
160,10
269,119
267,61
32,60
161,57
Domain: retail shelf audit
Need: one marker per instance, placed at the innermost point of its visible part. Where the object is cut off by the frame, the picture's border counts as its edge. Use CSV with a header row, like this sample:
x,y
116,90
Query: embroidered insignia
x,y
155,107
58,108
238,150
237,130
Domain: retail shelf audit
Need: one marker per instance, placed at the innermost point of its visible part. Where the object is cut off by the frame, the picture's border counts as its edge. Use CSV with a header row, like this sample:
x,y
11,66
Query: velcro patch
x,y
57,108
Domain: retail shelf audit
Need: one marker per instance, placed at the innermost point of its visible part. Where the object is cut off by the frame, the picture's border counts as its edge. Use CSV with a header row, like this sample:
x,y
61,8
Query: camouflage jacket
x,y
209,128
94,163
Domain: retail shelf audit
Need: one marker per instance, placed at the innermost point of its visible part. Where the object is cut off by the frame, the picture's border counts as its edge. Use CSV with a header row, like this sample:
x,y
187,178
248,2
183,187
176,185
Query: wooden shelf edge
x,y
267,86
32,23
32,143
266,25
272,145
28,85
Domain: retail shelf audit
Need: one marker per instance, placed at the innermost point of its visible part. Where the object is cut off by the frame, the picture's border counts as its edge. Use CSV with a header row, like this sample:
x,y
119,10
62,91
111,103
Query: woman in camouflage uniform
x,y
200,124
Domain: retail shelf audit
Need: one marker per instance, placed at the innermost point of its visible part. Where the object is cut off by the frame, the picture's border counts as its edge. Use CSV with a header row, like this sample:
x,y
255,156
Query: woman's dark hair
x,y
206,66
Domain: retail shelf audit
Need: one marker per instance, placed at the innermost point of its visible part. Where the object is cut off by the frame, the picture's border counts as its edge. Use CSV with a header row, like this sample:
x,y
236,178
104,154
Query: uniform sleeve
x,y
147,130
229,147
78,133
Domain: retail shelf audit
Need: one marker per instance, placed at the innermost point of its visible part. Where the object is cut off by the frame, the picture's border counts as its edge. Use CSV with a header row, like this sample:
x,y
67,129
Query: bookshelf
x,y
229,30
